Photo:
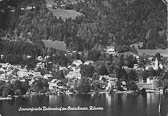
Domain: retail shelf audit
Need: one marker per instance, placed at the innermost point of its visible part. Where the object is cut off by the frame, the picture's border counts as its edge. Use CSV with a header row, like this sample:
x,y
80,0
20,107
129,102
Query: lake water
x,y
103,105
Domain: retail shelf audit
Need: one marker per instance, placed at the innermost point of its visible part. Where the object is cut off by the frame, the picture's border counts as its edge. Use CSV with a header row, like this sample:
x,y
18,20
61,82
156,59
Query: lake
x,y
86,105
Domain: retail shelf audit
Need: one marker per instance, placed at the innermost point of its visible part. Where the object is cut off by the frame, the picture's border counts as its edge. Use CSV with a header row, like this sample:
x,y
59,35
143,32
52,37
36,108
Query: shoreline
x,y
72,93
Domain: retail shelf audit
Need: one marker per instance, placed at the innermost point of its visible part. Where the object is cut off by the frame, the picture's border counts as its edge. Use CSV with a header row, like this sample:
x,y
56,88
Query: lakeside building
x,y
55,84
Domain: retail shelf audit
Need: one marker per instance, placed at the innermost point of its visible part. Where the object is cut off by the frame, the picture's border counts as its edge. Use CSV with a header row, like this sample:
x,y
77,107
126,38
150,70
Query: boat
x,y
5,98
159,91
102,92
154,91
68,93
150,91
120,92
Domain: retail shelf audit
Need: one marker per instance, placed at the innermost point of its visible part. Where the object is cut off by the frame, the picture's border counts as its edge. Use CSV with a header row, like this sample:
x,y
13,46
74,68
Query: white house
x,y
88,62
77,63
137,45
22,9
110,50
22,73
40,65
149,80
156,64
55,84
30,7
49,5
39,58
47,76
74,74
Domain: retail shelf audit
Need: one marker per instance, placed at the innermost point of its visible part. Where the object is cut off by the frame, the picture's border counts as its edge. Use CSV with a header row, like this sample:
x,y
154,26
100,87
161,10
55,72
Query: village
x,y
107,57
104,72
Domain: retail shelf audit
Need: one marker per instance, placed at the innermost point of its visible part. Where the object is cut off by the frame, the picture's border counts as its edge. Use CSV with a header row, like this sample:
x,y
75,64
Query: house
x,y
39,58
72,82
28,57
111,82
74,74
155,65
47,76
49,5
77,63
130,53
110,50
150,80
30,7
62,5
22,9
40,65
12,10
137,45
55,84
88,62
149,83
1,56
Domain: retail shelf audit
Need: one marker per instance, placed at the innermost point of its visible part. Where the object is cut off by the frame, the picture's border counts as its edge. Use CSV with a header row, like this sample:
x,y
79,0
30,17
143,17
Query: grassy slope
x,y
163,52
64,14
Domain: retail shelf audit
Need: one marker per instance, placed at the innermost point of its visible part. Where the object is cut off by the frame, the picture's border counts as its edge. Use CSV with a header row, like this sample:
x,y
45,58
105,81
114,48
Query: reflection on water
x,y
114,105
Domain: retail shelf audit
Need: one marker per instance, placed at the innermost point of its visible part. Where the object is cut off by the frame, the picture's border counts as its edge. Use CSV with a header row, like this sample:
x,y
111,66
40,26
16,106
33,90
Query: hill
x,y
103,22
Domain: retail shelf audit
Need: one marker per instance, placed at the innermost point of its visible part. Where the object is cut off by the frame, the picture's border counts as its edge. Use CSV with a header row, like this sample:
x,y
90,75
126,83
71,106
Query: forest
x,y
106,22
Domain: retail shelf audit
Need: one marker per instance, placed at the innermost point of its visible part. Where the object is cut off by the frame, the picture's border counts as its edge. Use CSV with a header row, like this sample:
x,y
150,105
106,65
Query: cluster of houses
x,y
13,9
8,71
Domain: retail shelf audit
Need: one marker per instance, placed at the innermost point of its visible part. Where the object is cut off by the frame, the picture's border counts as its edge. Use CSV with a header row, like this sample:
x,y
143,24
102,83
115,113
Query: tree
x,y
158,56
165,85
102,70
132,76
84,85
132,86
7,90
95,76
130,61
2,84
143,60
87,70
24,86
121,74
40,85
94,55
59,75
16,85
18,92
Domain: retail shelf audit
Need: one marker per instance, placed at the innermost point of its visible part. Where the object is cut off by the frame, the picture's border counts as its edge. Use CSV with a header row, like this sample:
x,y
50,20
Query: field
x,y
63,13
163,52
66,1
